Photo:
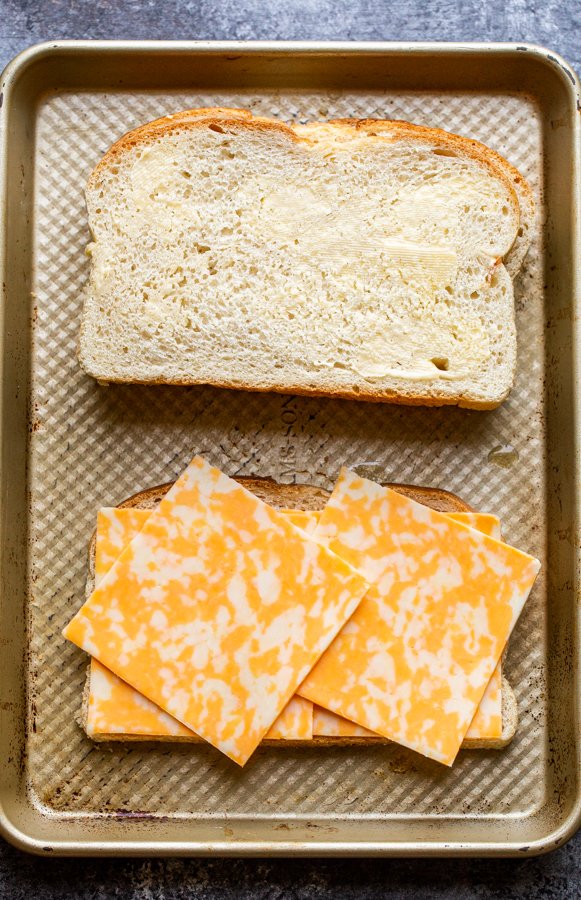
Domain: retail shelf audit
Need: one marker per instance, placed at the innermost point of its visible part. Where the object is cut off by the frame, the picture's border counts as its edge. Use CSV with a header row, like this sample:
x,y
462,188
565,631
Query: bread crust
x,y
208,117
307,497
397,129
380,396
222,117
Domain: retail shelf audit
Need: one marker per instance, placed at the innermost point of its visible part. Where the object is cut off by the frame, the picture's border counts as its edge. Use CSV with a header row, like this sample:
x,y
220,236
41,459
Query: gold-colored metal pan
x,y
69,446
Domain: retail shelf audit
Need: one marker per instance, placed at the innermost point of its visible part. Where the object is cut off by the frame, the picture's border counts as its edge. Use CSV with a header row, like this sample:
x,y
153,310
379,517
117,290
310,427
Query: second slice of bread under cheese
x,y
365,259
307,497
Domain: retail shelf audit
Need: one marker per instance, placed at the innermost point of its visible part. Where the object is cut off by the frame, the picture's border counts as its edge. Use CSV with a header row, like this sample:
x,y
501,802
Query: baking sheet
x,y
91,446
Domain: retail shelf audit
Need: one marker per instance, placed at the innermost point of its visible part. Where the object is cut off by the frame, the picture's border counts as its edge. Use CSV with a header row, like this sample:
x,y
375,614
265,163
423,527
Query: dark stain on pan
x,y
136,814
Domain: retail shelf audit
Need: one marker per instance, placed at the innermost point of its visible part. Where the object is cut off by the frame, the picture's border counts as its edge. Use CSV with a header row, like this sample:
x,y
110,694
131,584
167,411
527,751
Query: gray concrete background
x,y
554,23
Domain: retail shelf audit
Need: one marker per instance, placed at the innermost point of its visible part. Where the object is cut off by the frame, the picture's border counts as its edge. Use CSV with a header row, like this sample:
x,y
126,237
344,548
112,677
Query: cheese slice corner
x,y
115,708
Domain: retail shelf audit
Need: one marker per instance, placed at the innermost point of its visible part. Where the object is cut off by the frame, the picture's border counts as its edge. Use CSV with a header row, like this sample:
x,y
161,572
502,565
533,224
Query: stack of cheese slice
x,y
218,615
114,710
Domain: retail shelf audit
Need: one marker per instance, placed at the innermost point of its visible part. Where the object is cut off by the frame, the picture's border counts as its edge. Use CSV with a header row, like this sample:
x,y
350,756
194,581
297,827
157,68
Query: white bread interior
x,y
364,259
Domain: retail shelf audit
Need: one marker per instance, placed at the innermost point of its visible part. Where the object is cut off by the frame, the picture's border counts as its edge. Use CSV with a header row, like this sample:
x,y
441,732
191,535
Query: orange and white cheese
x,y
295,723
487,721
113,706
486,724
305,519
414,660
329,724
218,609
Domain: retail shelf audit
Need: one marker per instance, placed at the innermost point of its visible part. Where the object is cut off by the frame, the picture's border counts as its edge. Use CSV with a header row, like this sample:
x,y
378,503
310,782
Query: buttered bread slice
x,y
365,259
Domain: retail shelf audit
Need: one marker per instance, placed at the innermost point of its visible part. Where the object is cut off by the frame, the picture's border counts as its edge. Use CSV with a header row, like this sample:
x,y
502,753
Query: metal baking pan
x,y
69,446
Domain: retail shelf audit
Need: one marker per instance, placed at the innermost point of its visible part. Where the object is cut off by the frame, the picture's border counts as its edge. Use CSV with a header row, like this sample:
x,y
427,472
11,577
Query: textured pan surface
x,y
125,438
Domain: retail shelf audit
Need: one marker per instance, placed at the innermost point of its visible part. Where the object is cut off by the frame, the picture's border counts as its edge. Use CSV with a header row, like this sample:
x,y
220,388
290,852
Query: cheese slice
x,y
486,724
116,528
329,724
487,721
218,609
113,706
295,723
414,660
484,522
305,519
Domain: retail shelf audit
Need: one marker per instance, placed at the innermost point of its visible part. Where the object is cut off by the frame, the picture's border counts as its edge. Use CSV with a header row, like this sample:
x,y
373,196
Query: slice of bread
x,y
364,259
308,497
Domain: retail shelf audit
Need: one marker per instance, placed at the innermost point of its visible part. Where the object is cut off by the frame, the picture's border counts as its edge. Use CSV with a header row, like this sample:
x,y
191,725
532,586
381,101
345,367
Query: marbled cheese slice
x,y
305,519
413,662
295,722
487,721
483,522
329,724
486,724
113,706
218,609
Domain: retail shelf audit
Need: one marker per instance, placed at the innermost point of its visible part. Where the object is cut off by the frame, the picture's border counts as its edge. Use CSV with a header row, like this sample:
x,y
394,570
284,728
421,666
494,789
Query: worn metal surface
x,y
90,446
